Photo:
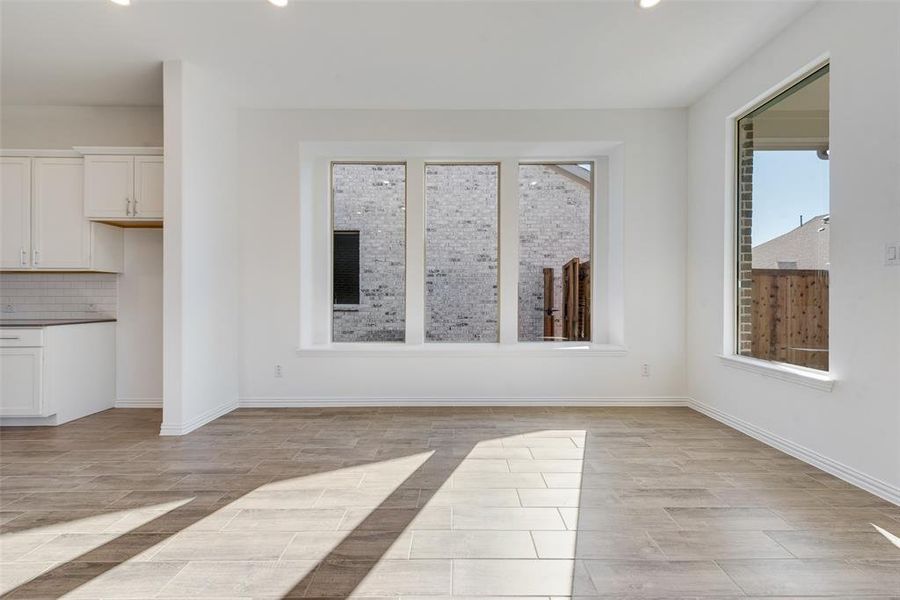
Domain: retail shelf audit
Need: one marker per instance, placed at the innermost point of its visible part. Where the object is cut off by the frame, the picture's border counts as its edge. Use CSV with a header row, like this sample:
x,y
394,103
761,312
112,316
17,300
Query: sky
x,y
786,185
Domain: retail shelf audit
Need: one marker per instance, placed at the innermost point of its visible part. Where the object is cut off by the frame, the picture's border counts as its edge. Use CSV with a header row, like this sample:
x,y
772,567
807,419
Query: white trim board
x,y
39,153
882,489
119,150
819,380
139,403
451,350
351,401
51,421
197,422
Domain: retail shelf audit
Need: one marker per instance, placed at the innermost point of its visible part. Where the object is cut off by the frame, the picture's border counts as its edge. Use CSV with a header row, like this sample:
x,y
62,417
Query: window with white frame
x,y
368,252
416,246
555,215
461,252
783,225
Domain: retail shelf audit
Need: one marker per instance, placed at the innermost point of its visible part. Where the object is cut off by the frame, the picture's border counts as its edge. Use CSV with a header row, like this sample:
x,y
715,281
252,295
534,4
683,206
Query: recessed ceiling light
x,y
647,3
122,2
279,3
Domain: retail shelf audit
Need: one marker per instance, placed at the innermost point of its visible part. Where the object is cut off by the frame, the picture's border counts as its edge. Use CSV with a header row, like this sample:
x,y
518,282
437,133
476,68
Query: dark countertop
x,y
50,322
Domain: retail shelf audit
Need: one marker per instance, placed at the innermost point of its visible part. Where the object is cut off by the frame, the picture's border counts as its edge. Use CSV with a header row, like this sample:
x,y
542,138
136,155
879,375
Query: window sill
x,y
447,350
819,380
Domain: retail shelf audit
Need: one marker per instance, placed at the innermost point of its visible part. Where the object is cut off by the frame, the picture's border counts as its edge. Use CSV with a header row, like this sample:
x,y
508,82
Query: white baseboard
x,y
50,421
139,403
882,489
196,422
351,401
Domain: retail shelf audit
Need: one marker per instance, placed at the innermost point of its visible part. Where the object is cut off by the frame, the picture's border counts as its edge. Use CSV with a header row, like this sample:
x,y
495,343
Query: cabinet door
x,y
60,232
148,187
21,372
15,213
108,186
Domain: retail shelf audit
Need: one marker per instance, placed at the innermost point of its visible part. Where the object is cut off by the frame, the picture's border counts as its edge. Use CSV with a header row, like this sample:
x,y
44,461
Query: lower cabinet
x,y
47,377
21,382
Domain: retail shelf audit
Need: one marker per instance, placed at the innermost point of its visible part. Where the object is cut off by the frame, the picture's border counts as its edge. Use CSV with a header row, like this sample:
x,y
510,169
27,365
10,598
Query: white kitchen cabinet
x,y
15,212
61,236
108,186
43,223
148,187
123,188
21,380
47,378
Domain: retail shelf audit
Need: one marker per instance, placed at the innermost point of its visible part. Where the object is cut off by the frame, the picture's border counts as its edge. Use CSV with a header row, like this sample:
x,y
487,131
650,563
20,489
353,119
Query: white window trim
x,y
315,230
813,378
822,380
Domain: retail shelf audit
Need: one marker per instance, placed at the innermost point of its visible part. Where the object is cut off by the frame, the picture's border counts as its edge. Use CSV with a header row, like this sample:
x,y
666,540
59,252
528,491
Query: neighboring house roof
x,y
805,247
577,173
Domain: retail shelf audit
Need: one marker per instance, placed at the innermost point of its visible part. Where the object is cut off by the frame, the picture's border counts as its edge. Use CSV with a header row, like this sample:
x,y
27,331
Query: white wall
x,y
200,251
855,429
56,127
654,223
140,323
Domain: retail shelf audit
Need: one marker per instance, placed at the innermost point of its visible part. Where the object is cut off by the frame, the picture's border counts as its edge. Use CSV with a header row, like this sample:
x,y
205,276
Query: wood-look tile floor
x,y
431,503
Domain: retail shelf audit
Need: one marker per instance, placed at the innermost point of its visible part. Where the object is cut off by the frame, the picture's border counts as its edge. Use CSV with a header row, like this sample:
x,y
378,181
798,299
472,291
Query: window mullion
x,y
415,251
509,251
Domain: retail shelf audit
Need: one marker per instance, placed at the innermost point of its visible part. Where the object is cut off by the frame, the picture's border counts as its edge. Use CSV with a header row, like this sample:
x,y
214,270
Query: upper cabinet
x,y
108,186
61,236
64,210
123,189
43,223
15,212
148,187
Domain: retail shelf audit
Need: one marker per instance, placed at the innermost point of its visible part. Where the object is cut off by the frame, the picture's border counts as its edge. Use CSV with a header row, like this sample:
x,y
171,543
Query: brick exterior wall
x,y
554,228
371,199
744,237
461,260
461,253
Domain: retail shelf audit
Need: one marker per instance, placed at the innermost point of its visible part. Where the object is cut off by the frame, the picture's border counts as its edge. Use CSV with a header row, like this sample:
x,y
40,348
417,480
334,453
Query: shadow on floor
x,y
341,571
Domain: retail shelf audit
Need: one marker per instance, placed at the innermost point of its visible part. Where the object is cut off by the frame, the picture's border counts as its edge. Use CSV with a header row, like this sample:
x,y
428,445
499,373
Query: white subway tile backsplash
x,y
58,295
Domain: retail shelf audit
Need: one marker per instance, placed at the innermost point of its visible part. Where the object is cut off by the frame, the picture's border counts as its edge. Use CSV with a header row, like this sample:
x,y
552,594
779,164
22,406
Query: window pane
x,y
555,252
369,250
783,227
461,244
346,267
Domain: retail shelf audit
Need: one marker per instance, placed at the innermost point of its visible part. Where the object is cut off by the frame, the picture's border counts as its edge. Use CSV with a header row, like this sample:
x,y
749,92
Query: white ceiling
x,y
370,54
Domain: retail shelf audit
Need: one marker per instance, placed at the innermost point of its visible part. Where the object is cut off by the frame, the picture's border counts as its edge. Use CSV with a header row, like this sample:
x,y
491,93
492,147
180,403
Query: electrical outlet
x,y
92,308
892,254
645,370
277,370
9,308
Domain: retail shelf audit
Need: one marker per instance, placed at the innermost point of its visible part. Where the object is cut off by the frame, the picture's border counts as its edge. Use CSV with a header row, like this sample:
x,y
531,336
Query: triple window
x,y
462,237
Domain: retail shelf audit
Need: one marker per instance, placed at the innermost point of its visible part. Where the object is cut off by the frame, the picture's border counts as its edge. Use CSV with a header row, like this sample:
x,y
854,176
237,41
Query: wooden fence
x,y
790,316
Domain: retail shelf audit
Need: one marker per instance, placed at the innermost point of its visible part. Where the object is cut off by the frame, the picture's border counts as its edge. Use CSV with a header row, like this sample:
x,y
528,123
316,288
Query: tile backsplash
x,y
58,295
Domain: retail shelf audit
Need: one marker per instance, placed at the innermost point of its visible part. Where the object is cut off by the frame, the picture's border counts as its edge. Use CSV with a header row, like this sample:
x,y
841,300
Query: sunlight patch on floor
x,y
486,517
887,534
269,539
